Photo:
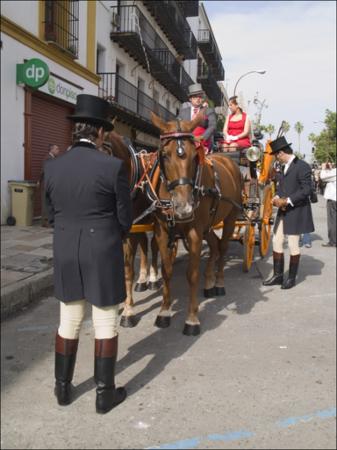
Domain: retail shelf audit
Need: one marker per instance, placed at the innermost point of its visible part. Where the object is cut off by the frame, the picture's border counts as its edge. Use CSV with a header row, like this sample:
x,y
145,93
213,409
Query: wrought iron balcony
x,y
130,104
132,31
190,8
209,48
209,83
175,26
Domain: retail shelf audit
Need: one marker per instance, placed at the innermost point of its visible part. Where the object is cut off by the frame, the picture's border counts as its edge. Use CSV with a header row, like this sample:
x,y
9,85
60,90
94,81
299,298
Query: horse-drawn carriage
x,y
179,192
253,227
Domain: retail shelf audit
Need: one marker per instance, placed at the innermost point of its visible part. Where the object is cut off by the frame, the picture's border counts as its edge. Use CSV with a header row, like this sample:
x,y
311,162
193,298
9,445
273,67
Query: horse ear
x,y
196,121
158,122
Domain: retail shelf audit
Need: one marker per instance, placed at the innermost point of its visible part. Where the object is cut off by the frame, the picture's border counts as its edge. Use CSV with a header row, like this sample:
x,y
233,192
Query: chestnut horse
x,y
115,146
201,192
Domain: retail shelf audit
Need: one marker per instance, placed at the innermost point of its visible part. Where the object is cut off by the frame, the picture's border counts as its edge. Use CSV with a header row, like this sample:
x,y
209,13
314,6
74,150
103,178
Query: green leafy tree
x,y
299,128
325,142
270,129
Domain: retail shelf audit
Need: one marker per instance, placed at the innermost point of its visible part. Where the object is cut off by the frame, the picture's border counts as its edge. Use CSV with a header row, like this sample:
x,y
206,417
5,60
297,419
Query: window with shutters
x,y
62,24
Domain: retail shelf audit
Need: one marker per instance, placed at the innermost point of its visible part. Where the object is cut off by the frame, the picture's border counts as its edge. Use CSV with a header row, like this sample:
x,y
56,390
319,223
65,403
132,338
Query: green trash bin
x,y
22,195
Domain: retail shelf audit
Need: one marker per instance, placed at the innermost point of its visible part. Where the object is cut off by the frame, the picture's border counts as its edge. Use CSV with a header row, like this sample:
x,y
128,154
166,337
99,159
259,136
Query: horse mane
x,y
114,145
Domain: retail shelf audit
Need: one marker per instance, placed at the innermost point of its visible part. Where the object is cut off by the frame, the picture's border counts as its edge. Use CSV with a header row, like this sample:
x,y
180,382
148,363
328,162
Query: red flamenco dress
x,y
236,127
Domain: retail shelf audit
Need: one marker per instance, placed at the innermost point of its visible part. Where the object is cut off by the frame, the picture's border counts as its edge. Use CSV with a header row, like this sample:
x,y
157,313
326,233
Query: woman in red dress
x,y
237,128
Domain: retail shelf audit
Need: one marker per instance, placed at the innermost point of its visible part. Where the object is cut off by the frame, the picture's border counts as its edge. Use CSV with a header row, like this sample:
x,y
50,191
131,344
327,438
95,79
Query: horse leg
x,y
223,246
163,319
154,280
128,319
141,284
213,242
192,324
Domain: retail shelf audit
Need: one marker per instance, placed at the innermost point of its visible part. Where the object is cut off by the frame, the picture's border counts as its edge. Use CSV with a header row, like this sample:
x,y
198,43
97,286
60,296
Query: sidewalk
x,y
26,266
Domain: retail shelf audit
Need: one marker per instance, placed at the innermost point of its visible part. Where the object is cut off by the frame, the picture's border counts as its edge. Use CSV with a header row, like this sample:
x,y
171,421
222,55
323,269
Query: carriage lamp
x,y
253,153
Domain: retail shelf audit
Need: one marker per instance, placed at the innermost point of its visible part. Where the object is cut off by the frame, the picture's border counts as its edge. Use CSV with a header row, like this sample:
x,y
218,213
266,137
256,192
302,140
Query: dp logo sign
x,y
33,73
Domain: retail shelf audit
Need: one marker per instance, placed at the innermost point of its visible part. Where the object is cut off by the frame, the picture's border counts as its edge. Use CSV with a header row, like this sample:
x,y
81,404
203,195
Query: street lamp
x,y
261,72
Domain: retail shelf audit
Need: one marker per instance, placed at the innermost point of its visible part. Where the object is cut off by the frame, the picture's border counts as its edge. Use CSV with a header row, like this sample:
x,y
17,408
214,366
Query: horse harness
x,y
144,168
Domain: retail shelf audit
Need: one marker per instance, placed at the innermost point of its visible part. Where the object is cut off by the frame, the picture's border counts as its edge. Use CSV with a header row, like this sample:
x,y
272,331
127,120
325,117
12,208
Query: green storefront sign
x,y
33,73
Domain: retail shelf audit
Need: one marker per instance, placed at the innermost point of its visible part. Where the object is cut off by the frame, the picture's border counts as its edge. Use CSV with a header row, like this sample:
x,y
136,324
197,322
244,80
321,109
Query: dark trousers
x,y
331,210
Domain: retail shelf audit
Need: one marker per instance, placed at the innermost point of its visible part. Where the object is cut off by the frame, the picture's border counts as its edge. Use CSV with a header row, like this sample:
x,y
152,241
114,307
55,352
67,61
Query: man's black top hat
x,y
92,109
280,144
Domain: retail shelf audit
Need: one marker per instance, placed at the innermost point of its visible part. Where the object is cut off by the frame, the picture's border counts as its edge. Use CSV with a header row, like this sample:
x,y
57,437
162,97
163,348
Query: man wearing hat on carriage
x,y
294,215
88,198
188,110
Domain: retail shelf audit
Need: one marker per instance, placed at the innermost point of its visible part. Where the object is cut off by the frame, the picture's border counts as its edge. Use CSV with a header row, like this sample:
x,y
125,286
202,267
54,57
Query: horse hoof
x,y
220,291
191,330
128,321
154,285
141,287
163,321
208,293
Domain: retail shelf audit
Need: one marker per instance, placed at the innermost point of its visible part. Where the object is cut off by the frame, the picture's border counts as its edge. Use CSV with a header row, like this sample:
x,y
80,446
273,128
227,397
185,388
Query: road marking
x,y
238,435
290,421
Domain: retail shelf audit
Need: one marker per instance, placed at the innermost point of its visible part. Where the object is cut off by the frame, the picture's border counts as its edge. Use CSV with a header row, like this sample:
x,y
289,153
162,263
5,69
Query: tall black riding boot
x,y
107,396
65,358
293,268
277,277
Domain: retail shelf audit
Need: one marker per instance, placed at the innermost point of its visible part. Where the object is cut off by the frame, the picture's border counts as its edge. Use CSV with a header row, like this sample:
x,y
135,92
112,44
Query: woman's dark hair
x,y
85,131
234,100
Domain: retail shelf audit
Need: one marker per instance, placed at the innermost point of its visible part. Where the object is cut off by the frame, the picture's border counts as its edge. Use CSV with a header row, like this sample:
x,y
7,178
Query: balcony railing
x,y
61,25
135,34
190,8
209,83
211,53
175,26
130,103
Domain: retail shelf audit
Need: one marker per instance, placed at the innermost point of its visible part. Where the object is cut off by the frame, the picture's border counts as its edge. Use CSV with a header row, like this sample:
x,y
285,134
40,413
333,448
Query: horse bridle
x,y
179,136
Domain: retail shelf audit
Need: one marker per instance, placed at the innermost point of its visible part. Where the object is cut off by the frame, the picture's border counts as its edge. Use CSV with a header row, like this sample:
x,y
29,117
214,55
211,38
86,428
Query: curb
x,y
18,295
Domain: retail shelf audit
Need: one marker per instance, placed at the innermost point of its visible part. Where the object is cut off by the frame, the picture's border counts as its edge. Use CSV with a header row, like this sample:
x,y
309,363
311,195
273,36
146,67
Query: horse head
x,y
178,157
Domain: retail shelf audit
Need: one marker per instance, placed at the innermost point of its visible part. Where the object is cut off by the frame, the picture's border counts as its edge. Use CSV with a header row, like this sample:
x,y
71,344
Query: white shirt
x,y
192,111
286,166
330,177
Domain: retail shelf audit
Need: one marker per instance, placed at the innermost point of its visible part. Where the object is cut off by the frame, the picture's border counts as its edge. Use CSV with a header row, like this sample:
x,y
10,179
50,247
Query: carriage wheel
x,y
265,226
248,247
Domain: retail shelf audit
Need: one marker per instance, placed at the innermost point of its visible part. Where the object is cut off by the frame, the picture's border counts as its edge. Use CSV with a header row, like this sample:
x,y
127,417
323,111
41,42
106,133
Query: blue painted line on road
x,y
290,421
236,435
243,434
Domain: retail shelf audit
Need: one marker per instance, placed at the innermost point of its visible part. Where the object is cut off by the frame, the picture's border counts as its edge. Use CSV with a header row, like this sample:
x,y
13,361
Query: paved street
x,y
261,374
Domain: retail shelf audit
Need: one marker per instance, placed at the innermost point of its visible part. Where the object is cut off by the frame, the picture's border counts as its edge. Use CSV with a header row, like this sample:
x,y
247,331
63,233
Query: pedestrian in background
x,y
294,215
89,203
53,152
328,175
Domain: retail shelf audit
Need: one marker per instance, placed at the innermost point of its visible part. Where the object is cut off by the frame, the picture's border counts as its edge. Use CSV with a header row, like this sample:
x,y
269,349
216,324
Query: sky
x,y
295,43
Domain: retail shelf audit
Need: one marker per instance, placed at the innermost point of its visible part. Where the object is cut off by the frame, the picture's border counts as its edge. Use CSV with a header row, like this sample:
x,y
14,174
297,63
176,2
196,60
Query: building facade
x,y
141,56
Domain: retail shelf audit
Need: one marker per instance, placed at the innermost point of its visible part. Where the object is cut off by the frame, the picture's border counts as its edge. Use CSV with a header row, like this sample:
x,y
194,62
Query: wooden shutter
x,y
49,125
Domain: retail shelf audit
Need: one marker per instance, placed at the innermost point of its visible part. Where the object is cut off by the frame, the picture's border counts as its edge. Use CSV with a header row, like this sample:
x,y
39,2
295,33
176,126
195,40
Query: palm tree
x,y
286,126
299,128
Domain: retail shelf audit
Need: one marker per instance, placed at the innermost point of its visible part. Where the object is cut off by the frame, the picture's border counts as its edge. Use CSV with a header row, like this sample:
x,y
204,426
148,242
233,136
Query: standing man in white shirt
x,y
328,175
294,215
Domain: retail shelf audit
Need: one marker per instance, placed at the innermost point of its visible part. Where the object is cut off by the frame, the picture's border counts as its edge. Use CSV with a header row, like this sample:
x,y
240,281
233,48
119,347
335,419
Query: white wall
x,y
26,15
23,13
12,110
